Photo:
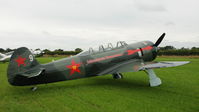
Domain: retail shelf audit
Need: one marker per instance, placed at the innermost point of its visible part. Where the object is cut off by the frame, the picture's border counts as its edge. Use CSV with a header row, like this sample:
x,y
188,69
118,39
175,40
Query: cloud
x,y
70,24
169,23
150,6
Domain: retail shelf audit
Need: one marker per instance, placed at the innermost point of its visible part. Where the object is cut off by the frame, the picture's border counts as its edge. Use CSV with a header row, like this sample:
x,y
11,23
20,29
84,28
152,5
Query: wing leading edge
x,y
163,64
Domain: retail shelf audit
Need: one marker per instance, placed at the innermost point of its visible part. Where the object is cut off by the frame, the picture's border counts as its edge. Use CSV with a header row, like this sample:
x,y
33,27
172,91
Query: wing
x,y
127,66
139,65
163,64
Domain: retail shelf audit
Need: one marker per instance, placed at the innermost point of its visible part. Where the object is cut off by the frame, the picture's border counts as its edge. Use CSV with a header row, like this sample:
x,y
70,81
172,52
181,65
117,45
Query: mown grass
x,y
178,93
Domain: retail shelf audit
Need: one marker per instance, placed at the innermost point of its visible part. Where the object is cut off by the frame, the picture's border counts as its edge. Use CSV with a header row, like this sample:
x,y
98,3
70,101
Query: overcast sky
x,y
68,24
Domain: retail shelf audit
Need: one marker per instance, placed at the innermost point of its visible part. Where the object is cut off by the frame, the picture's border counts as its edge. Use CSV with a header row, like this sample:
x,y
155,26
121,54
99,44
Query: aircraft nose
x,y
155,51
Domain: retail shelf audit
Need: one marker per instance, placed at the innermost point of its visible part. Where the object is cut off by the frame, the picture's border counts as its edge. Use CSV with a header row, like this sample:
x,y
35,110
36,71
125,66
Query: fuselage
x,y
93,63
88,64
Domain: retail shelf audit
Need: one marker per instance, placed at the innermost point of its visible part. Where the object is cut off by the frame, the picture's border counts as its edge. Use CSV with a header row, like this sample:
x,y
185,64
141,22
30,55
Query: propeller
x,y
159,40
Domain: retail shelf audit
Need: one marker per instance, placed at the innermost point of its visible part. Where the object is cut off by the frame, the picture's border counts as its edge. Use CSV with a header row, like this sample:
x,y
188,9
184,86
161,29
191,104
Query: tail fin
x,y
22,63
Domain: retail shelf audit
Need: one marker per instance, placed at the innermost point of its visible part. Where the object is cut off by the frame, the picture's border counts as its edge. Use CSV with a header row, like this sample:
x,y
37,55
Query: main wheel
x,y
117,76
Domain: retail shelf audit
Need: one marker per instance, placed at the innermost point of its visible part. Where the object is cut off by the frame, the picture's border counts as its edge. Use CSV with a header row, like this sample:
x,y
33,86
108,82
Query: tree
x,y
194,48
59,50
8,50
167,48
78,50
38,49
46,51
2,50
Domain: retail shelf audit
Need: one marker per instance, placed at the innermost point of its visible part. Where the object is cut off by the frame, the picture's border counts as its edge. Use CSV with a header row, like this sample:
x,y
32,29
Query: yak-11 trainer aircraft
x,y
24,69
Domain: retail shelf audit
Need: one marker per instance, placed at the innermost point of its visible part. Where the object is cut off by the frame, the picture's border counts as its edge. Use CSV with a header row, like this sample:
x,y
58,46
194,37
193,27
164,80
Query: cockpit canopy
x,y
102,48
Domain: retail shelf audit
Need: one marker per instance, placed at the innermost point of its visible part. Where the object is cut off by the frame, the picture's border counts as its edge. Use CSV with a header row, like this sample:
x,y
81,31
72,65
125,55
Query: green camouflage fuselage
x,y
88,64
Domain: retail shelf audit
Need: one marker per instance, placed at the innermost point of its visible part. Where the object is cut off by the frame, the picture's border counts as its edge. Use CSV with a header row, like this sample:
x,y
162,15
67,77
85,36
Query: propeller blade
x,y
159,40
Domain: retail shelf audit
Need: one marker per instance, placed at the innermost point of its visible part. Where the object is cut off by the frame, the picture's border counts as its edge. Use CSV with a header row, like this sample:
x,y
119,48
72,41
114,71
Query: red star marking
x,y
20,61
74,67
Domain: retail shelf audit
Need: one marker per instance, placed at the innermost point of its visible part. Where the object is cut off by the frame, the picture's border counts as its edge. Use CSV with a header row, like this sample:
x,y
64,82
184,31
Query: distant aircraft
x,y
6,56
24,69
36,52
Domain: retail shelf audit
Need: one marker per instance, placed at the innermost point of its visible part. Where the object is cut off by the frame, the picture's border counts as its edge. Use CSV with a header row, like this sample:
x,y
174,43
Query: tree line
x,y
167,50
61,52
40,52
170,50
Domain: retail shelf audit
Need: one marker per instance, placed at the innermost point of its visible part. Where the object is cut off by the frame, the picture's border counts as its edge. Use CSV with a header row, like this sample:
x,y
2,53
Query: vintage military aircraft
x,y
24,69
5,57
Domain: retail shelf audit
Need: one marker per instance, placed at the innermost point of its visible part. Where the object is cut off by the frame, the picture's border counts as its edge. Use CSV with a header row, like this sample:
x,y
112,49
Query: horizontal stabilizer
x,y
33,73
163,64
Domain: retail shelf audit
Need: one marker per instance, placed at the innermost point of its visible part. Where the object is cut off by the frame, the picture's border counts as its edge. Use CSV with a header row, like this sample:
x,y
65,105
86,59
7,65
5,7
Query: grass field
x,y
178,93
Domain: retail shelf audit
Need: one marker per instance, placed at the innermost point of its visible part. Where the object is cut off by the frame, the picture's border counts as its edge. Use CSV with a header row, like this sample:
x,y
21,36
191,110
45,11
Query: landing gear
x,y
153,79
117,76
34,88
